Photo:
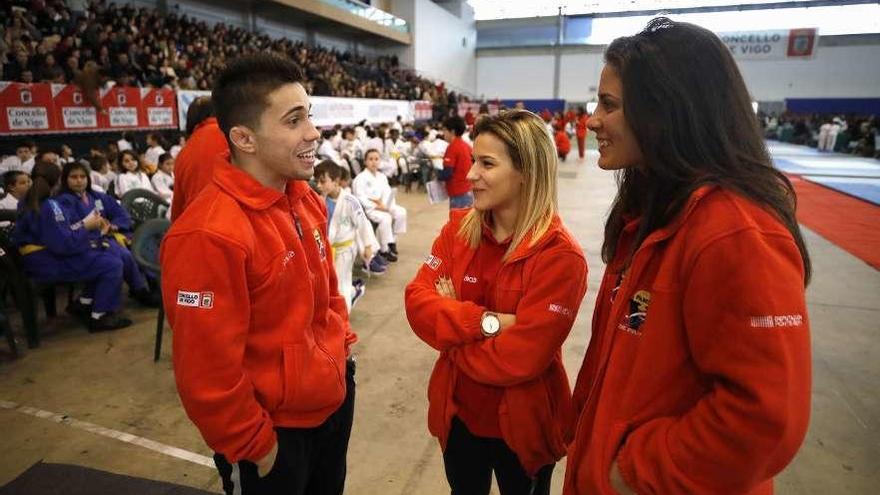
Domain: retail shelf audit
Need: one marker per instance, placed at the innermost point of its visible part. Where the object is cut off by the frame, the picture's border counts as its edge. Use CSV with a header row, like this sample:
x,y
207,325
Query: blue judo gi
x,y
110,209
56,249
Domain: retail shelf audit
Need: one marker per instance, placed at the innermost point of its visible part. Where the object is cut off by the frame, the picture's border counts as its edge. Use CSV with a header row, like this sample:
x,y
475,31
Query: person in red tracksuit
x,y
496,298
204,150
456,164
697,376
261,333
580,131
563,145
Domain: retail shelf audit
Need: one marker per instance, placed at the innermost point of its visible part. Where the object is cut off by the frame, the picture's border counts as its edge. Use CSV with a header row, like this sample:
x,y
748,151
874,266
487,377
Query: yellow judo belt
x,y
30,248
339,245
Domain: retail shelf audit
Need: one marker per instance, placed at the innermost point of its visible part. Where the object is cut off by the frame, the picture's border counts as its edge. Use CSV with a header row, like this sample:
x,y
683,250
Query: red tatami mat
x,y
850,223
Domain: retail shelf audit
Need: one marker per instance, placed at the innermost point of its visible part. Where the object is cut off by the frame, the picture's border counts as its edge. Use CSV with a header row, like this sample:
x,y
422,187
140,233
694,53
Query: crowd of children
x,y
361,167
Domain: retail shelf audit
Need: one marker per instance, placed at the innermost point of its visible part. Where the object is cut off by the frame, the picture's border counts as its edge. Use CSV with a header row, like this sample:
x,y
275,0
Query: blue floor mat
x,y
866,189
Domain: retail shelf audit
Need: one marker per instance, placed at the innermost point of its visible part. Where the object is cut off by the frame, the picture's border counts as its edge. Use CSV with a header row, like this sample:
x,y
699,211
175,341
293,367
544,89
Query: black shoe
x,y
388,256
79,310
108,322
146,297
392,246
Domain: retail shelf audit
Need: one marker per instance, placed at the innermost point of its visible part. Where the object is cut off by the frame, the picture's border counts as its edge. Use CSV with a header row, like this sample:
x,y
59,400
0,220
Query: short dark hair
x,y
328,168
199,110
372,150
455,124
9,178
97,162
163,157
241,91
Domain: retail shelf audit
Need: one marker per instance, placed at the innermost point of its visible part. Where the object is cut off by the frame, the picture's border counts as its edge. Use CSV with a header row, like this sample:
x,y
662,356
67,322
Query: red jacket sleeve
x,y
544,318
747,328
209,344
440,321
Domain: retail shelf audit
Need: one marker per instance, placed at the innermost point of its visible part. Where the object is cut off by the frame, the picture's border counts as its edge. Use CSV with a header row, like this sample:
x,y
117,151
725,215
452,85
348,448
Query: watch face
x,y
491,324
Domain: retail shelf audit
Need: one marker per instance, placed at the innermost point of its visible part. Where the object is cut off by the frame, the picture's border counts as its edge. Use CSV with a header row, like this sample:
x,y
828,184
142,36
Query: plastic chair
x,y
143,205
145,248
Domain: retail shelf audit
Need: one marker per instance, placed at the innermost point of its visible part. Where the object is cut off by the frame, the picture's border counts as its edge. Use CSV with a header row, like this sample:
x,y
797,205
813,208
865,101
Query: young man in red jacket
x,y
261,334
456,164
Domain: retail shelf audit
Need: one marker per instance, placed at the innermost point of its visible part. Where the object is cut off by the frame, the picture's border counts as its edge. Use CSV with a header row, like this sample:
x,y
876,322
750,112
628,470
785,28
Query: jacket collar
x,y
673,227
248,191
526,248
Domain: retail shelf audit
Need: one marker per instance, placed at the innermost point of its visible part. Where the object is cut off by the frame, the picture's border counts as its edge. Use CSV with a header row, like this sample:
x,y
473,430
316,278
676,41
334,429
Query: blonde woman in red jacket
x,y
697,377
496,297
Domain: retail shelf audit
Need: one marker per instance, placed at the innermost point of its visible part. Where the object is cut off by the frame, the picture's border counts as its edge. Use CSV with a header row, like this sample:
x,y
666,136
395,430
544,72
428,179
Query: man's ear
x,y
244,139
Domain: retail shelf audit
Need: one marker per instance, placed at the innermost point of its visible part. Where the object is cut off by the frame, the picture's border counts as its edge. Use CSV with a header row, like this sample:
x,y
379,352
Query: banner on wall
x,y
63,108
327,111
73,112
157,105
772,45
121,108
27,108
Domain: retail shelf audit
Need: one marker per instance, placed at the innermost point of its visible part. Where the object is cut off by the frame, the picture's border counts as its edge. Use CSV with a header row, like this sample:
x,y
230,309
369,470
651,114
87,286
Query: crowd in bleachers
x,y
854,134
95,44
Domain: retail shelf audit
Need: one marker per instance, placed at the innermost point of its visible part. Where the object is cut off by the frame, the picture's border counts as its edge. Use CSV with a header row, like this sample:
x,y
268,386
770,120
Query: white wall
x,y
515,77
443,45
850,71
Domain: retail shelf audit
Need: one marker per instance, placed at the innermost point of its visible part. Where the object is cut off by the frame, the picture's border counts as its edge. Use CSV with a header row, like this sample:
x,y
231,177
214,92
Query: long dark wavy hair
x,y
45,176
691,113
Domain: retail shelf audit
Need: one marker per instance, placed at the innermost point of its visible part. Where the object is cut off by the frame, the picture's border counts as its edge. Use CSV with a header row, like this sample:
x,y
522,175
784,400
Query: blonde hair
x,y
533,155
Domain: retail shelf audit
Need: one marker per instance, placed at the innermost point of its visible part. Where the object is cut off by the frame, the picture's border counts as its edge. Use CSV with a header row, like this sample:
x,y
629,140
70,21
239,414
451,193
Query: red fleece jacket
x,y
261,333
697,377
543,284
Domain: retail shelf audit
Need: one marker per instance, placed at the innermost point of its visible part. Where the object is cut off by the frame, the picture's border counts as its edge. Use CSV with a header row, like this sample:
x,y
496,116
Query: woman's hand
x,y
93,221
445,288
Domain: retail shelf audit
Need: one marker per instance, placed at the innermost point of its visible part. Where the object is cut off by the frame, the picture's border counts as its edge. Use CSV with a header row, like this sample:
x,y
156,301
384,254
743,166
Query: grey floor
x,y
99,385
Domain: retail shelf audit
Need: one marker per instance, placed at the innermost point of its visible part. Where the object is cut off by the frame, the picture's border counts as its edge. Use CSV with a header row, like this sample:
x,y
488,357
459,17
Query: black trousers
x,y
310,460
470,461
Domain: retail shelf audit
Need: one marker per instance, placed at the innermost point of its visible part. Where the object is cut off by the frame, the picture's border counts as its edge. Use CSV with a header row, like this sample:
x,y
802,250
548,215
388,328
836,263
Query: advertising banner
x,y
73,112
772,45
26,108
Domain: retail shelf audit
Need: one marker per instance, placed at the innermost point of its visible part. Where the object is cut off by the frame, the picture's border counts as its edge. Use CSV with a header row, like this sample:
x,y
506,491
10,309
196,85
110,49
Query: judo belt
x,y
339,245
30,248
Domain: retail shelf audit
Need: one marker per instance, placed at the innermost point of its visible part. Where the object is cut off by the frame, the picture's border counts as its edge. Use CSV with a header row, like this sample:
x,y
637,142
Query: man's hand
x,y
379,205
368,254
266,464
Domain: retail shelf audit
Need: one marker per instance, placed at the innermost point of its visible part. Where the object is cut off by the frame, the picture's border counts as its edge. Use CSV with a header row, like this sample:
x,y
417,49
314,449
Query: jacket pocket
x,y
617,436
311,379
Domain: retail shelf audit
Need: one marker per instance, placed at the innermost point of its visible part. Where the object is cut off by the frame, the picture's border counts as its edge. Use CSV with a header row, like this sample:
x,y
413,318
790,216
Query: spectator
x,y
163,179
56,249
132,175
15,184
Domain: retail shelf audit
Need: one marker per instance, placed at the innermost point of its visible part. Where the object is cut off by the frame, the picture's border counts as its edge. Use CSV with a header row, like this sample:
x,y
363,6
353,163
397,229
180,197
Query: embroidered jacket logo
x,y
638,311
204,300
433,262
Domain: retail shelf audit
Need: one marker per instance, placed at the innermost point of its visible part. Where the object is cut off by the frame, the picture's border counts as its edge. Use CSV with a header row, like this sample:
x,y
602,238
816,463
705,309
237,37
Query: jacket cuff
x,y
472,321
627,468
266,439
